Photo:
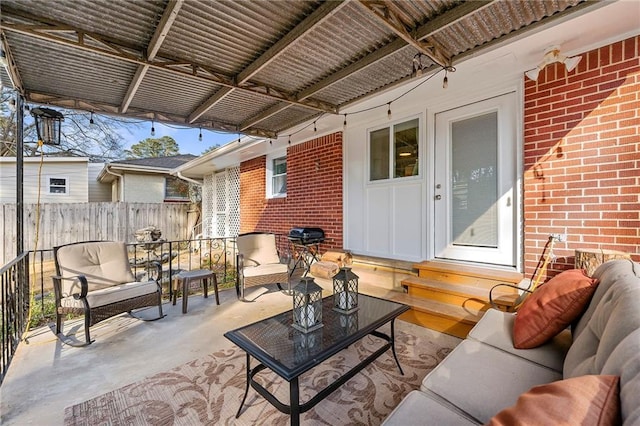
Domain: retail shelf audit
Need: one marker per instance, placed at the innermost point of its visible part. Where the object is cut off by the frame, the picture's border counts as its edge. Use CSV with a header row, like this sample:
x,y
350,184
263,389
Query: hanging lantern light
x,y
345,291
307,305
48,124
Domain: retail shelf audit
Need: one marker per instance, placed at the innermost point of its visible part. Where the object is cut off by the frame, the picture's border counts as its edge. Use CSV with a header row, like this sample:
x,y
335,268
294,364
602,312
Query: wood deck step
x,y
460,294
442,317
471,275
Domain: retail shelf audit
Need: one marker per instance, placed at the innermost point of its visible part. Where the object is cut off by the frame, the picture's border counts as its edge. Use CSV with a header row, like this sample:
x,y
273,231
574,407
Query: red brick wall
x,y
582,161
314,191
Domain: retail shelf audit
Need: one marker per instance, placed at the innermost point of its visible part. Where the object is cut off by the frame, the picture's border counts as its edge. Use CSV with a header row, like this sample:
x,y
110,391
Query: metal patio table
x,y
289,353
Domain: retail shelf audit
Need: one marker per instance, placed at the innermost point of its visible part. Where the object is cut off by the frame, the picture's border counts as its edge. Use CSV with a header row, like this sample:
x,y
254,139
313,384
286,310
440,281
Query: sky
x,y
187,138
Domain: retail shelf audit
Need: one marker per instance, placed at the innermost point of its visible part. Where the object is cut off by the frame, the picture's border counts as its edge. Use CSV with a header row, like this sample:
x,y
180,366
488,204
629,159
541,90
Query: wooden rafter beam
x,y
434,25
159,35
108,109
319,15
95,43
11,68
388,14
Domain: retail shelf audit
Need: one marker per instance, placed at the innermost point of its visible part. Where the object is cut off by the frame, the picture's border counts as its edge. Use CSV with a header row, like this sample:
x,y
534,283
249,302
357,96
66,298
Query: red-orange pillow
x,y
552,307
583,400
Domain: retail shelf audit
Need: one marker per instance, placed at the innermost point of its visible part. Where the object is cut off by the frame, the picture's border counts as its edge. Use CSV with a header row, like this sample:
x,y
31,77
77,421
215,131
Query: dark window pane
x,y
379,154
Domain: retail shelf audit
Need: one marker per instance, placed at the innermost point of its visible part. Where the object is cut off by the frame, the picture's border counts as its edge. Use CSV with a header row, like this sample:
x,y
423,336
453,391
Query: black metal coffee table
x,y
290,353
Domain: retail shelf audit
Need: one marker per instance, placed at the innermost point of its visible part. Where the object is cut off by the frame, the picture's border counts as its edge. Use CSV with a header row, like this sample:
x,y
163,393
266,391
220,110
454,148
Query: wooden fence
x,y
62,223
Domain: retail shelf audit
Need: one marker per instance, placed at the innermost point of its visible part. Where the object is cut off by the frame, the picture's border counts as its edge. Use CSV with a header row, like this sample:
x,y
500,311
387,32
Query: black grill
x,y
306,235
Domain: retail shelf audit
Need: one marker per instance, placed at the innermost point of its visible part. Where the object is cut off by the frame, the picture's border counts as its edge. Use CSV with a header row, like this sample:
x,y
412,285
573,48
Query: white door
x,y
475,181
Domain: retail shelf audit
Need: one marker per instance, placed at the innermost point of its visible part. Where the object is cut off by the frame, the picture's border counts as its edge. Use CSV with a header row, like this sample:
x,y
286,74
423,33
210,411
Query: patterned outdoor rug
x,y
208,391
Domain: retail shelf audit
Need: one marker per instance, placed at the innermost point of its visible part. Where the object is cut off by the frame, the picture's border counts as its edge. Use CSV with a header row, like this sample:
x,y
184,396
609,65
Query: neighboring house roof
x,y
161,165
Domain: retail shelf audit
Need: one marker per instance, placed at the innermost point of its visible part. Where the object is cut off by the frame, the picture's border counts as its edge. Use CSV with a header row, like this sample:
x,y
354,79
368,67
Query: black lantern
x,y
307,305
345,291
48,123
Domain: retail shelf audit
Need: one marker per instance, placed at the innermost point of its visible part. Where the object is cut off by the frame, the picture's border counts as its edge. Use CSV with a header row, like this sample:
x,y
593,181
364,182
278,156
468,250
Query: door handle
x,y
438,197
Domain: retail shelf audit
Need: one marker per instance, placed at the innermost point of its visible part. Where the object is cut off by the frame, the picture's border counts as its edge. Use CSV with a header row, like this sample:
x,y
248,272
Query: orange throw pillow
x,y
583,400
552,307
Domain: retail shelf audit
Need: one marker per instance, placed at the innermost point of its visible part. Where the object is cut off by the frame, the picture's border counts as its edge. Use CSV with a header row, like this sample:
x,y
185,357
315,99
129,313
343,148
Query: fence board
x,y
62,223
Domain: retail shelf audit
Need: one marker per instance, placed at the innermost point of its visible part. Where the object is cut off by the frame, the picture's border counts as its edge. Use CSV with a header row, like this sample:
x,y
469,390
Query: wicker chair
x,y
258,262
94,279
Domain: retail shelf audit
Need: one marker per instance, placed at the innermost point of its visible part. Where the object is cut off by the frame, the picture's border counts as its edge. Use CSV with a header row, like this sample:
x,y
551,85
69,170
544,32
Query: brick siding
x,y
581,156
314,192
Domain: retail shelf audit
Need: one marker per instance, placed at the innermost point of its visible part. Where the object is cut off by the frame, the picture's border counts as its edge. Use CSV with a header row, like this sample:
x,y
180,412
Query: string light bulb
x,y
389,110
91,119
289,139
153,129
314,127
345,121
200,135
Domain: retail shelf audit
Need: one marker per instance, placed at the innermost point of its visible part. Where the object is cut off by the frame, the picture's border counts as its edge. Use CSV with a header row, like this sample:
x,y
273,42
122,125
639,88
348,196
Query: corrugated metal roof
x,y
256,67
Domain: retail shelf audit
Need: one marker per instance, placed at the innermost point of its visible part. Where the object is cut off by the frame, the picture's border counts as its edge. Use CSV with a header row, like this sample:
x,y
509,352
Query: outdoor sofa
x,y
570,379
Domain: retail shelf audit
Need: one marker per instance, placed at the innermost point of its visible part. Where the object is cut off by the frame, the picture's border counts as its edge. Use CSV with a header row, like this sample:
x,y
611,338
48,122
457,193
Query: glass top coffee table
x,y
289,353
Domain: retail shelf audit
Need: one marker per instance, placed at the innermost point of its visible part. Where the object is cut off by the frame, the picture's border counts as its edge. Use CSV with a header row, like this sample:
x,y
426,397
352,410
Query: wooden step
x,y
442,317
460,294
471,275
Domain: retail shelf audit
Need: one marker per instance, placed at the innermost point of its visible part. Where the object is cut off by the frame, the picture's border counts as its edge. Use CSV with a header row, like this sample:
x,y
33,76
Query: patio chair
x,y
94,279
259,263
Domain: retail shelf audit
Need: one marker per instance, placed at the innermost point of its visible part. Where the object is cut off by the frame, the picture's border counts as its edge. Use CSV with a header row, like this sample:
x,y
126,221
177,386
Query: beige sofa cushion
x,y
418,408
482,380
495,328
258,249
607,338
103,263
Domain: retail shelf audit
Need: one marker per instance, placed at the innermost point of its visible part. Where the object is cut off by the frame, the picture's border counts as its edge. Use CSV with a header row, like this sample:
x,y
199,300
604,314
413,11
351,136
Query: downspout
x,y
193,181
197,218
120,182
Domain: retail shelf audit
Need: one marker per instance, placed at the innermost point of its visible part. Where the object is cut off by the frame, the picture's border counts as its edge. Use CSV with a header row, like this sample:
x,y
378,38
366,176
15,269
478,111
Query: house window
x,y
393,151
58,185
278,177
176,189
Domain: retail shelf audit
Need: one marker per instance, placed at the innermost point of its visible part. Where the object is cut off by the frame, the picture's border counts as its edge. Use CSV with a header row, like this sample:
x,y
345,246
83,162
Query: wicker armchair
x,y
94,279
258,262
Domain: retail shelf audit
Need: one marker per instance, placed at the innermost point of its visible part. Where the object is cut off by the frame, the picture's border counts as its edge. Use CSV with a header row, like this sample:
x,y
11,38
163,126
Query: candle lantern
x,y
345,291
307,305
48,124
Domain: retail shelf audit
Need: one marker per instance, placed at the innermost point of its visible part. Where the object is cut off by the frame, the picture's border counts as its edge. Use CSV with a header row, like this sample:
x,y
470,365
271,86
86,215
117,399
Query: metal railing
x,y
15,307
26,281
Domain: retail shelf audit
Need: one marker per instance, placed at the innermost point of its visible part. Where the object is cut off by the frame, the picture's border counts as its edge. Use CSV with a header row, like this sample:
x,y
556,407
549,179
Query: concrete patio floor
x,y
46,376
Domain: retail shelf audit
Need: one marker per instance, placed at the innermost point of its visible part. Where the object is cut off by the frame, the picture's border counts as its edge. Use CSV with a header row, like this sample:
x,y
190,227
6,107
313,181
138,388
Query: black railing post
x,y
19,175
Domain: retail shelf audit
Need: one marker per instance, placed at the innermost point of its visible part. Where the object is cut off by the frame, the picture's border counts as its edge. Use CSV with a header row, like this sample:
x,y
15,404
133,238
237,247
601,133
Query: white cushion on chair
x,y
112,294
103,263
271,269
258,249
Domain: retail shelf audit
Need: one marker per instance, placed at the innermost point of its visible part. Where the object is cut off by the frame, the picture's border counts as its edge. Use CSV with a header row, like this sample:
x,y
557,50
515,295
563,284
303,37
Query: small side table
x,y
187,277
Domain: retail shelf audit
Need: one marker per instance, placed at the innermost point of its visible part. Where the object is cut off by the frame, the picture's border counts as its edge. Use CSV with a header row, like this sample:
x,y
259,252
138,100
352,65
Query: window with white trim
x,y
58,185
276,176
393,151
176,189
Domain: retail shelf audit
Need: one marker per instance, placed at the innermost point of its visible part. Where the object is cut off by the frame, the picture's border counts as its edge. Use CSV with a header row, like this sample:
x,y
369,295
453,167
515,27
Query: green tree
x,y
210,149
153,147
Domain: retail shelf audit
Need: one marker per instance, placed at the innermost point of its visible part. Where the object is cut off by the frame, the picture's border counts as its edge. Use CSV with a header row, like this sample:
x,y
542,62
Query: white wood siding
x,y
74,170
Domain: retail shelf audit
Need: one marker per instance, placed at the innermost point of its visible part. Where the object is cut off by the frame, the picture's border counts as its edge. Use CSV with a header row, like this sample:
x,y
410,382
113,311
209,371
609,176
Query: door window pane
x,y
379,154
474,144
405,142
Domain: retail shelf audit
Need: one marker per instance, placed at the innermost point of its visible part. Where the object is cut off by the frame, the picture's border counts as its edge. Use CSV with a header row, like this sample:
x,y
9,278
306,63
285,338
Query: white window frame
x,y
168,179
65,186
270,191
392,159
